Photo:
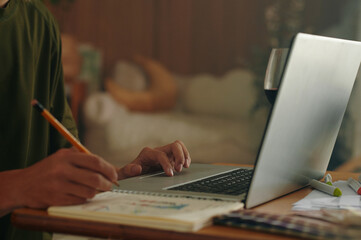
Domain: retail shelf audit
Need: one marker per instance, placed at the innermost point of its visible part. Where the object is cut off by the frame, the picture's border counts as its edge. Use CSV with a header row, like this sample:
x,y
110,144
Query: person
x,y
38,167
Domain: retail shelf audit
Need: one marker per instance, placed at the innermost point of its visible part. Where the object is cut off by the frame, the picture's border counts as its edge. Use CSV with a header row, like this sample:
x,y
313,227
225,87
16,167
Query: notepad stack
x,y
334,224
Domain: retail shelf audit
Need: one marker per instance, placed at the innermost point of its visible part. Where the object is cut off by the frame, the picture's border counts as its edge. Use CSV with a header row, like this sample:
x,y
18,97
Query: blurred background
x,y
147,72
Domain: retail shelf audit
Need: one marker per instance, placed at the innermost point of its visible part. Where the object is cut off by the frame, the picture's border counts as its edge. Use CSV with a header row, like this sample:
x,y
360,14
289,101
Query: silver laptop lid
x,y
306,116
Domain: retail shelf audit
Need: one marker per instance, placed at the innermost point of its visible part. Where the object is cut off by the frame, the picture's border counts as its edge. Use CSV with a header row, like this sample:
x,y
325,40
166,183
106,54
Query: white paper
x,y
317,200
350,201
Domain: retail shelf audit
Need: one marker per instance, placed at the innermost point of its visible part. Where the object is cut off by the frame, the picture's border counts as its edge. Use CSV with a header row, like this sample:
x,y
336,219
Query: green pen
x,y
326,188
328,179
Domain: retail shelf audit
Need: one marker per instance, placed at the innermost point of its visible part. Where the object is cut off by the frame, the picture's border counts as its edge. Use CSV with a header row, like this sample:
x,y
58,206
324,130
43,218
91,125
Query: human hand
x,y
64,178
171,157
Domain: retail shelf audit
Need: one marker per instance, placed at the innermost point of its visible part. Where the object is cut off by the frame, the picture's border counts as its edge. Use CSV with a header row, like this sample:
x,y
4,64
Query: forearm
x,y
9,191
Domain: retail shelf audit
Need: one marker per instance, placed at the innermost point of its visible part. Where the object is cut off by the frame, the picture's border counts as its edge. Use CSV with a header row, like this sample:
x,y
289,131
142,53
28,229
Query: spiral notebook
x,y
168,213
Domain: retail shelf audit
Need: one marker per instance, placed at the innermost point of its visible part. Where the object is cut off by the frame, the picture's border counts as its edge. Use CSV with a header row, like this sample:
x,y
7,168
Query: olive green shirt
x,y
30,68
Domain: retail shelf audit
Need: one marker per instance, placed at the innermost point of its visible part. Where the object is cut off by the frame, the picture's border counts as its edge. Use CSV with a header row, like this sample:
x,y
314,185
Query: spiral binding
x,y
157,194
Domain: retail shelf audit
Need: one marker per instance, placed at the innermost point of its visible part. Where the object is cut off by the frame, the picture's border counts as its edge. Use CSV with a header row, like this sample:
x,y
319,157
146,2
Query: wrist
x,y
10,190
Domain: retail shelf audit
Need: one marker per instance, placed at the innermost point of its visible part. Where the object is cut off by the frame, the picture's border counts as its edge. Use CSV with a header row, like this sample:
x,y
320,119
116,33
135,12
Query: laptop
x,y
301,131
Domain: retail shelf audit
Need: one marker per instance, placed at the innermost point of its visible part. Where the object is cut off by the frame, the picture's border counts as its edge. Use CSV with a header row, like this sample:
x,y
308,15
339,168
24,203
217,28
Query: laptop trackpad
x,y
160,180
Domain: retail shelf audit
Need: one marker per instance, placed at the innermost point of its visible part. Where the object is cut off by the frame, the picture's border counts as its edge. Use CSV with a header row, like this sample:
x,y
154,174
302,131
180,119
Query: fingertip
x,y
130,170
136,170
170,172
106,186
179,168
115,174
187,162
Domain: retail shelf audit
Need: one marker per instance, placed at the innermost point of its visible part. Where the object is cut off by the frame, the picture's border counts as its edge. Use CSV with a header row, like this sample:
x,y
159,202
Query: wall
x,y
188,36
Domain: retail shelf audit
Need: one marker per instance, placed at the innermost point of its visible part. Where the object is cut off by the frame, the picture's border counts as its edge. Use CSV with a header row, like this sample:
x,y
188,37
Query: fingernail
x,y
115,175
188,161
170,171
179,168
116,183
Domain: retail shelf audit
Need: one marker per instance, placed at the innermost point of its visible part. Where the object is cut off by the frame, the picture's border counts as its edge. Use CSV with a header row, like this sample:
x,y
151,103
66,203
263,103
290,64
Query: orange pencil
x,y
61,129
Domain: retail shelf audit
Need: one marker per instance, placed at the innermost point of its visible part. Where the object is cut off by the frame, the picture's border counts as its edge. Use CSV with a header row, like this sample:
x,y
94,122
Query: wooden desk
x,y
354,165
39,220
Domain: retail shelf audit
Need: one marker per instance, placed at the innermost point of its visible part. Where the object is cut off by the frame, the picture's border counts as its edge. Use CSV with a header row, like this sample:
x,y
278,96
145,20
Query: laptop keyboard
x,y
231,183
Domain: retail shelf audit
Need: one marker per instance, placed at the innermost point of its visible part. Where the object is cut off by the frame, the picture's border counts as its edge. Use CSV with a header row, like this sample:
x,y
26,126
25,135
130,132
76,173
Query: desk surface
x,y
41,221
